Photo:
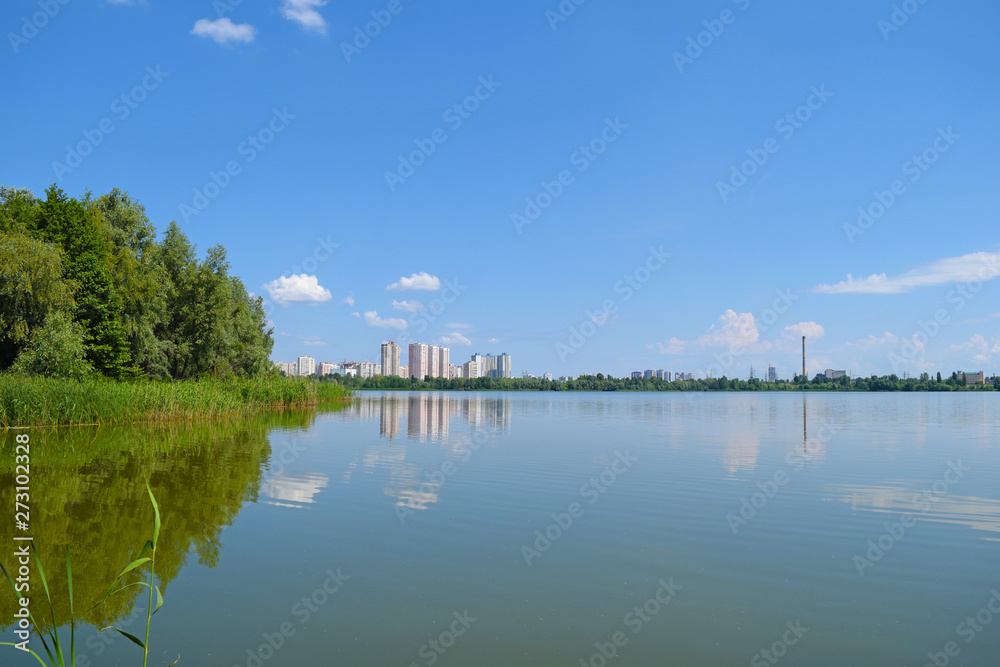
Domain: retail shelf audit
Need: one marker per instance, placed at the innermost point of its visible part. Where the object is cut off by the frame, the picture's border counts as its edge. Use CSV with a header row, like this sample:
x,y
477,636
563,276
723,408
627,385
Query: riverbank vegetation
x,y
87,289
102,322
37,401
601,382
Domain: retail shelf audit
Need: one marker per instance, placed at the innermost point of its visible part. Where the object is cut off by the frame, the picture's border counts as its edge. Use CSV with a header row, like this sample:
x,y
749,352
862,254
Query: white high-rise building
x,y
367,369
327,368
470,370
434,361
307,366
418,360
390,358
444,362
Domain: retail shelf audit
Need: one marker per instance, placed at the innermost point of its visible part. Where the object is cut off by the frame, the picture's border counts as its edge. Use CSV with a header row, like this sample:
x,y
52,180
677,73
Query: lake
x,y
536,529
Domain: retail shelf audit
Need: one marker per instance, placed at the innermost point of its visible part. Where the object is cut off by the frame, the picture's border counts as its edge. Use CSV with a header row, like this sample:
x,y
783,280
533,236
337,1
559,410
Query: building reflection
x,y
458,423
429,415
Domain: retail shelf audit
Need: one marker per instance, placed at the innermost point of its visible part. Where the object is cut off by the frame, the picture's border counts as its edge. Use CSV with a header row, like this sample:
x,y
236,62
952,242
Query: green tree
x,y
55,350
99,306
136,274
31,289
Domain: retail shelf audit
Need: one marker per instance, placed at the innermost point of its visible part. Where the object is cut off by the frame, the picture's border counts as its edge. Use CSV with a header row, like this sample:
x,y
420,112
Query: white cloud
x,y
810,330
454,338
297,289
673,346
418,281
967,268
886,339
981,350
304,13
733,329
493,341
224,31
738,331
348,300
412,306
458,325
317,343
983,320
355,314
373,320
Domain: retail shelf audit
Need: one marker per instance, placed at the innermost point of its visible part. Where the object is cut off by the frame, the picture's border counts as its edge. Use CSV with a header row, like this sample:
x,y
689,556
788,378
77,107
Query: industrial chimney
x,y
804,358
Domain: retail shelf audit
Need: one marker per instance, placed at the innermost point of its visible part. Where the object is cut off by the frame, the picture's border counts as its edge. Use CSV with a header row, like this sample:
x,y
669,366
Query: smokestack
x,y
804,358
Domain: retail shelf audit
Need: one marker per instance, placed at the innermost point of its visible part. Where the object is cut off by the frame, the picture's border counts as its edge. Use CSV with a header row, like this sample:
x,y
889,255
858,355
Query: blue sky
x,y
630,138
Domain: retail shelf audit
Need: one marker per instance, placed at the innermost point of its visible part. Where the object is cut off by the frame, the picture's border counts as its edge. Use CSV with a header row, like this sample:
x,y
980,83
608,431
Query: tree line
x,y
87,289
601,382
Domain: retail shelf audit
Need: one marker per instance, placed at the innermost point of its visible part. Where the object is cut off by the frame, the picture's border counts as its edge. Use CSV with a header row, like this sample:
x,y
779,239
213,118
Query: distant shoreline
x,y
601,383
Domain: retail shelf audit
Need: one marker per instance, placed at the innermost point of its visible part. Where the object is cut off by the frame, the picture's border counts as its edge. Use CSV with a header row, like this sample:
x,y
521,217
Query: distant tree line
x,y
87,289
600,382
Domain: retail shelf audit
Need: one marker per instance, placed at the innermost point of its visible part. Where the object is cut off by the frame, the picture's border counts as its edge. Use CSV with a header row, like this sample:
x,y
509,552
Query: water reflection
x,y
89,494
970,511
290,490
429,414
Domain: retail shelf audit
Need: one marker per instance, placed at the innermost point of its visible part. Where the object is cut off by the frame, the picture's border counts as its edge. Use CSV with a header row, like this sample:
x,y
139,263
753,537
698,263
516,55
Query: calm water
x,y
539,529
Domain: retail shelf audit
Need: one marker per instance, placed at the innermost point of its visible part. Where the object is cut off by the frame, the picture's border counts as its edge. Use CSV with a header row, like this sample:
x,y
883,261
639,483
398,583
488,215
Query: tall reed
x,y
39,401
57,657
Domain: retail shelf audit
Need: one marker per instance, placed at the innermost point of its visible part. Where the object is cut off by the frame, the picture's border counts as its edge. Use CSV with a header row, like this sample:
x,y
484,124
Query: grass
x,y
35,401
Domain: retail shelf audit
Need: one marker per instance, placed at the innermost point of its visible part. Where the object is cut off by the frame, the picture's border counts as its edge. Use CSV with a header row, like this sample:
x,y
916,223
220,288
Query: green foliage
x,y
99,306
56,350
145,308
32,288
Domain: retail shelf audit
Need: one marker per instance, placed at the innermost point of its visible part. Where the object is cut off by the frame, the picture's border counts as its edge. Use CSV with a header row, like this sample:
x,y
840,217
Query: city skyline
x,y
489,366
423,361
